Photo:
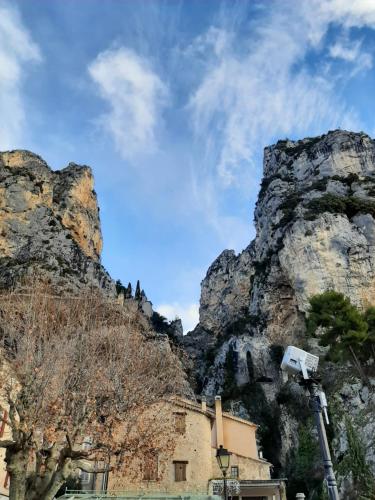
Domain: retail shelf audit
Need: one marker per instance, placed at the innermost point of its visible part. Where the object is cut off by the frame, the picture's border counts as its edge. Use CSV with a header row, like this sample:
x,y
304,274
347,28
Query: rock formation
x,y
315,231
49,224
50,228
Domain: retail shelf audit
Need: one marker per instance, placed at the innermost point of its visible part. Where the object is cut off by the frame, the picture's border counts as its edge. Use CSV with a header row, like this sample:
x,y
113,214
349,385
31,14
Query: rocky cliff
x,y
50,228
49,224
315,231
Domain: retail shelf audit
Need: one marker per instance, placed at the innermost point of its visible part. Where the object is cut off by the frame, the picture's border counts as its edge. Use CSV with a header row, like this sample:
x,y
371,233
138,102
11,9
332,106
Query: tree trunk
x,y
17,468
358,366
53,489
57,479
17,487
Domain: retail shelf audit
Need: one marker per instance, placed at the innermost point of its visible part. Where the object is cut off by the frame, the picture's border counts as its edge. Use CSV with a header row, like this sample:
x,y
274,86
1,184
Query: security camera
x,y
296,361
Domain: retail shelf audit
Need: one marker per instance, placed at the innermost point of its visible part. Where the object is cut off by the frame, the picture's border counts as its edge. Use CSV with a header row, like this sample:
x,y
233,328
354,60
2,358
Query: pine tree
x,y
345,328
138,295
128,294
119,287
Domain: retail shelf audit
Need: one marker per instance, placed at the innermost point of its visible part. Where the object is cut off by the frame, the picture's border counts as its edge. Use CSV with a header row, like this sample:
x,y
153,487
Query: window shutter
x,y
150,467
180,422
180,471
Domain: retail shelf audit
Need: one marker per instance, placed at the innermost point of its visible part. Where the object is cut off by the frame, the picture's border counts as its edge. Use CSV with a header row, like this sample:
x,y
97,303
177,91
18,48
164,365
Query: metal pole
x,y
225,484
324,448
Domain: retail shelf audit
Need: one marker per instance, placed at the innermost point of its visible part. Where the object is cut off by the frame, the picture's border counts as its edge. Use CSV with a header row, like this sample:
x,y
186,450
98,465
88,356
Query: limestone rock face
x,y
315,231
49,223
225,291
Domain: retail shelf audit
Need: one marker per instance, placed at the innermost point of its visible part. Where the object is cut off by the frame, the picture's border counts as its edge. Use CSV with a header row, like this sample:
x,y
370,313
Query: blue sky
x,y
171,103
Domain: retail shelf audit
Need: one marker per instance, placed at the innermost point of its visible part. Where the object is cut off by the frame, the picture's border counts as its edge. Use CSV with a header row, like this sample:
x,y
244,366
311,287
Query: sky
x,y
171,104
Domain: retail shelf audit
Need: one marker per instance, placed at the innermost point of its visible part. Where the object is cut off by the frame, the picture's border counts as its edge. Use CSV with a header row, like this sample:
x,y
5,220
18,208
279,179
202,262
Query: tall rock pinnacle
x,y
49,223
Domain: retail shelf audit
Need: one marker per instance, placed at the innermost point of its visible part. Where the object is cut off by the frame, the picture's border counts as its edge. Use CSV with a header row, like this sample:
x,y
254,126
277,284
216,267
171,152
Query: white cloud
x,y
354,13
253,92
136,97
351,52
17,51
188,313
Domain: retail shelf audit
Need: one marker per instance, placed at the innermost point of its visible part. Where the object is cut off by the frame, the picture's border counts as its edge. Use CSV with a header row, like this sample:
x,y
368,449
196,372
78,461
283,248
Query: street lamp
x,y
305,365
223,458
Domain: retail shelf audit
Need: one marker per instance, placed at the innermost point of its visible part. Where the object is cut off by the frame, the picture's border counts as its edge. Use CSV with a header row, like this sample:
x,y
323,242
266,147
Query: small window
x,y
180,471
84,477
180,422
234,472
150,467
87,443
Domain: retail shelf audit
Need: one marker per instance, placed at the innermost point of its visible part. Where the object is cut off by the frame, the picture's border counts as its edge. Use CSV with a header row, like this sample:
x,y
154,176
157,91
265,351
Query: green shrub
x,y
345,328
354,463
334,204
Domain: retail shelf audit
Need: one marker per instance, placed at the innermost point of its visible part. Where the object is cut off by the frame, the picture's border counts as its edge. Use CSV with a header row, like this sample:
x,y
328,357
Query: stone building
x,y
193,469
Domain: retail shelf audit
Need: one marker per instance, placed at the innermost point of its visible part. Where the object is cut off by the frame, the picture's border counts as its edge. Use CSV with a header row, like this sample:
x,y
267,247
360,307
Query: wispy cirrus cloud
x,y
135,95
18,52
353,53
260,88
255,91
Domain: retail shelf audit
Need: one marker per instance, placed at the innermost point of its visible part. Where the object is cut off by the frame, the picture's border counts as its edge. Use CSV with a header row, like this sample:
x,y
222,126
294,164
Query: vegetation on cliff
x,y
347,331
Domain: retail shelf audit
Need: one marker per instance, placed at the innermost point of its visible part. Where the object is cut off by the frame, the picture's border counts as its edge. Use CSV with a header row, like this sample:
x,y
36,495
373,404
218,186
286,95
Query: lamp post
x,y
223,458
304,365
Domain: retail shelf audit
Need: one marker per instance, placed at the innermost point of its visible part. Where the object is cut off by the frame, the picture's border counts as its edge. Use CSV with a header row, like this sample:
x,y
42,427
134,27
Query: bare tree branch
x,y
79,369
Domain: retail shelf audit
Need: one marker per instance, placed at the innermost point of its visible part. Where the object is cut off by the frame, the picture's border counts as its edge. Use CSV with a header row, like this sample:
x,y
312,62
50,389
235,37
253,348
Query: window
x,y
87,443
150,467
180,470
234,472
180,422
84,477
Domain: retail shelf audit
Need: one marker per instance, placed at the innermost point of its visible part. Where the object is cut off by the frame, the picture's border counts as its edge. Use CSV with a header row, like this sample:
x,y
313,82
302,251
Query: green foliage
x,y
354,463
138,294
302,146
334,204
369,344
125,291
345,329
288,207
266,181
304,471
160,323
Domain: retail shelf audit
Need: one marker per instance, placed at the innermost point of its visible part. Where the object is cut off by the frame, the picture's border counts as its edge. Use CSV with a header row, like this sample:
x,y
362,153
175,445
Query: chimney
x,y
219,422
204,404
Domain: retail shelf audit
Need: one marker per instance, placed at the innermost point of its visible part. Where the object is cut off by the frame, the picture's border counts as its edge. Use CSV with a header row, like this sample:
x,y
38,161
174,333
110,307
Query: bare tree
x,y
76,368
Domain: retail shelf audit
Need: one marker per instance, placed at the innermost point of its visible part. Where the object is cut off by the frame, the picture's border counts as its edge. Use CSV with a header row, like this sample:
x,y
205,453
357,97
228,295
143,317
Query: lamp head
x,y
299,362
223,458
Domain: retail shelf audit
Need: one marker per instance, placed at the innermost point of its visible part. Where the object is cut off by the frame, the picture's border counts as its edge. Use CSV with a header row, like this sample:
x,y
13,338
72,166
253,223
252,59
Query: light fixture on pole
x,y
223,459
305,365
